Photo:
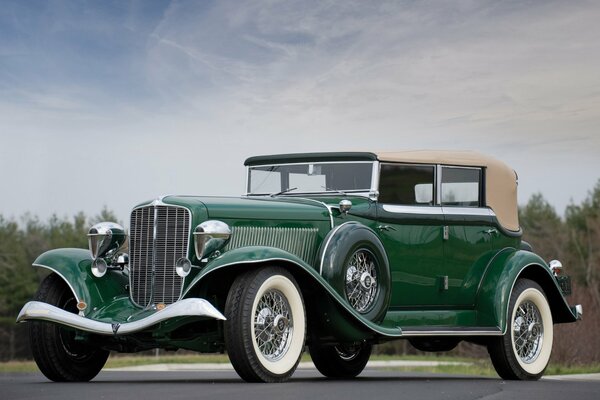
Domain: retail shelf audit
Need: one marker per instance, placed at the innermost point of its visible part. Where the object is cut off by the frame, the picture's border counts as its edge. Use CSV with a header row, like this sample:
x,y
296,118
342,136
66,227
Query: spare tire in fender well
x,y
340,245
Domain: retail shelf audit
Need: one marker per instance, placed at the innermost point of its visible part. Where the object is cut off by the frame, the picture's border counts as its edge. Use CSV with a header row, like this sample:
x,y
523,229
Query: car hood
x,y
263,208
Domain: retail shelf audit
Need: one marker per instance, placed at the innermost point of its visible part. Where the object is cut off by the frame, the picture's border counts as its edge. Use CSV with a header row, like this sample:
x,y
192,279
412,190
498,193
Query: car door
x,y
468,232
410,226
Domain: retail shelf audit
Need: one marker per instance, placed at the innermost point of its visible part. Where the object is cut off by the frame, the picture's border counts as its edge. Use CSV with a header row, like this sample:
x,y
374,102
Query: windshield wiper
x,y
334,190
283,191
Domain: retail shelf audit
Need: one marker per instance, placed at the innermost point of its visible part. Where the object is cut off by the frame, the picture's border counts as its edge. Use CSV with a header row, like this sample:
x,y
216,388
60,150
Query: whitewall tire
x,y
523,352
266,325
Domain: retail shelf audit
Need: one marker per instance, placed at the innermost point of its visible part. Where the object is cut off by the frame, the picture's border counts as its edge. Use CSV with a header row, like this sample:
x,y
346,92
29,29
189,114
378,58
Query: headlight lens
x,y
183,266
99,267
209,237
105,239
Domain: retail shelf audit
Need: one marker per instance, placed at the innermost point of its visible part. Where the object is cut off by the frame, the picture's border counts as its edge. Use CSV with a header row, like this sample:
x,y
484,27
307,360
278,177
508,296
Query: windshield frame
x,y
332,191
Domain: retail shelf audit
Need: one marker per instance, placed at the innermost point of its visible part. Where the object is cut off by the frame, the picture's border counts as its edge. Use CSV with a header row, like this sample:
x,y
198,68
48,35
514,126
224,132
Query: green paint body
x,y
424,252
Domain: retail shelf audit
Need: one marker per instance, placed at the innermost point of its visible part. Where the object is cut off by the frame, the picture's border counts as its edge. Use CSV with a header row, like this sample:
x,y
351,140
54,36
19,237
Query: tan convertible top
x,y
501,180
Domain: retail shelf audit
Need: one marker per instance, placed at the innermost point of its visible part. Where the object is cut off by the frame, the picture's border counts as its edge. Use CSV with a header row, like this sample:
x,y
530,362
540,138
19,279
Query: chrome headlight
x,y
209,237
105,239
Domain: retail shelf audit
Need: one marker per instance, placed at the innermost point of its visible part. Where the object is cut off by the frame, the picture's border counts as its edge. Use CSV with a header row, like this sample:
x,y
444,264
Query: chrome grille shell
x,y
298,241
159,235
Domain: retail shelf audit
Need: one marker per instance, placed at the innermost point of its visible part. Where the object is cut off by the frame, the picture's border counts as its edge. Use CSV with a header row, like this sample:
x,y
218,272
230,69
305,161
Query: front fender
x,y
254,256
494,292
74,267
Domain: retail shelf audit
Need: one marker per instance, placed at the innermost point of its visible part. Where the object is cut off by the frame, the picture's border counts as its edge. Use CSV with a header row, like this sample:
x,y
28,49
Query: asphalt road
x,y
305,384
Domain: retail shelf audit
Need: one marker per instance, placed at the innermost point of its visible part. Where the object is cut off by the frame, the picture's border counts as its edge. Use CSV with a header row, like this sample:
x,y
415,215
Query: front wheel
x,y
266,325
59,356
523,352
341,361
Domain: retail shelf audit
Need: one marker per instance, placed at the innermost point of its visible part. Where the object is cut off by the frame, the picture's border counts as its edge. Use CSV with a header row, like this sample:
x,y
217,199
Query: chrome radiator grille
x,y
158,237
299,241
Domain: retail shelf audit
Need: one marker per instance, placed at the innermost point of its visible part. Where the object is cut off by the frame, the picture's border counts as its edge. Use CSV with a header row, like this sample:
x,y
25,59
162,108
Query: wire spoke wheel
x,y
528,332
524,350
273,325
361,280
266,325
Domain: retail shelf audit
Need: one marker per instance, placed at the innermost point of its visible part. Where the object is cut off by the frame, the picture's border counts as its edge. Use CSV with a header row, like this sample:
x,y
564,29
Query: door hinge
x,y
442,282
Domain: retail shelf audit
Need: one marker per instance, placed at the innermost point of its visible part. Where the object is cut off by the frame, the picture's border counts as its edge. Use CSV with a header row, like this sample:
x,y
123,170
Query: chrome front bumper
x,y
38,311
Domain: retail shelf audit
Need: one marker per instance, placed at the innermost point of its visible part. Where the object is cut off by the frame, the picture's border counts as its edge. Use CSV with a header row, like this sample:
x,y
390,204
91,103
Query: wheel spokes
x,y
528,332
273,325
361,280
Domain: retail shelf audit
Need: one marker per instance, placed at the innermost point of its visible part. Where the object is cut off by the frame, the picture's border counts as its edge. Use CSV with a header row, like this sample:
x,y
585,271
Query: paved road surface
x,y
306,384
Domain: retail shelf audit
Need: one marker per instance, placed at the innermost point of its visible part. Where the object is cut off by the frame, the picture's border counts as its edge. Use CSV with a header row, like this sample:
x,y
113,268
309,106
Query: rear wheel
x,y
58,355
266,325
340,361
524,350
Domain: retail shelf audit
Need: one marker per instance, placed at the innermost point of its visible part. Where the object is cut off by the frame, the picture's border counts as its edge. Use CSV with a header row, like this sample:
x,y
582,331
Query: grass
x,y
476,367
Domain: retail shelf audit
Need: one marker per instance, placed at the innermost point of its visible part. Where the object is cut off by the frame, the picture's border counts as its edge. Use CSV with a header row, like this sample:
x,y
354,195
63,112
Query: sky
x,y
111,103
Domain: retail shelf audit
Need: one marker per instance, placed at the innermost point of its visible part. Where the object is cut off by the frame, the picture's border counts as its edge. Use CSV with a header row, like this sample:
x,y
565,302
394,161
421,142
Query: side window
x,y
461,187
406,184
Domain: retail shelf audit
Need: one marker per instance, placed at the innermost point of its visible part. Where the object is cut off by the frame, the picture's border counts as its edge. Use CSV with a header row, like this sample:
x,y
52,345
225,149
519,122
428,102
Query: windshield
x,y
310,178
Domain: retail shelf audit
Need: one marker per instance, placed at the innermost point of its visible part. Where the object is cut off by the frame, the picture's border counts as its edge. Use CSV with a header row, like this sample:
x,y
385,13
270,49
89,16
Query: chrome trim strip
x,y
453,333
77,299
439,210
428,210
247,190
328,207
39,311
327,244
483,211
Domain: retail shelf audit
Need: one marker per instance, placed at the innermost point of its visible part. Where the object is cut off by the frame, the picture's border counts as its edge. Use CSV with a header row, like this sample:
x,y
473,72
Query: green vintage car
x,y
334,251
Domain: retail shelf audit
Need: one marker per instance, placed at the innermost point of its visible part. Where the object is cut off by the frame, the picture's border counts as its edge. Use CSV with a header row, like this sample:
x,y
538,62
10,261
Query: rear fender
x,y
74,267
504,270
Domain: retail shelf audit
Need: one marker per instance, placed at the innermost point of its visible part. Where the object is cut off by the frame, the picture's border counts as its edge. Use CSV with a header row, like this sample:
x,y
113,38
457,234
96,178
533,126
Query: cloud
x,y
228,79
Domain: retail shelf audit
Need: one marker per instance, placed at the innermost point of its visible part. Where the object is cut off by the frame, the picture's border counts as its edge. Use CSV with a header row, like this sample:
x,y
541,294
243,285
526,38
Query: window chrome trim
x,y
375,180
435,182
481,198
438,183
359,192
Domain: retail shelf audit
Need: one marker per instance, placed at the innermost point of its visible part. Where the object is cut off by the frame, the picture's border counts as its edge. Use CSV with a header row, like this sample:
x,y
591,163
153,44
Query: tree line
x,y
574,239
21,242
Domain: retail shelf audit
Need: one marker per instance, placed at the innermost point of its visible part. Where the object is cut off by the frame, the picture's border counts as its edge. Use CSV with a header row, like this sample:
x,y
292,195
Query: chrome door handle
x,y
491,231
386,228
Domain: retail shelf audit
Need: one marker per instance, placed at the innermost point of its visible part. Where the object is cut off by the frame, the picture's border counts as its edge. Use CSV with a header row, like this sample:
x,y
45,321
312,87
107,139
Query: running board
x,y
475,331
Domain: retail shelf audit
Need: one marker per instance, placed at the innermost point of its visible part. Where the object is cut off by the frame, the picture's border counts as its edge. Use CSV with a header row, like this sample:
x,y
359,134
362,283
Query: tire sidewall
x,y
287,363
534,294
